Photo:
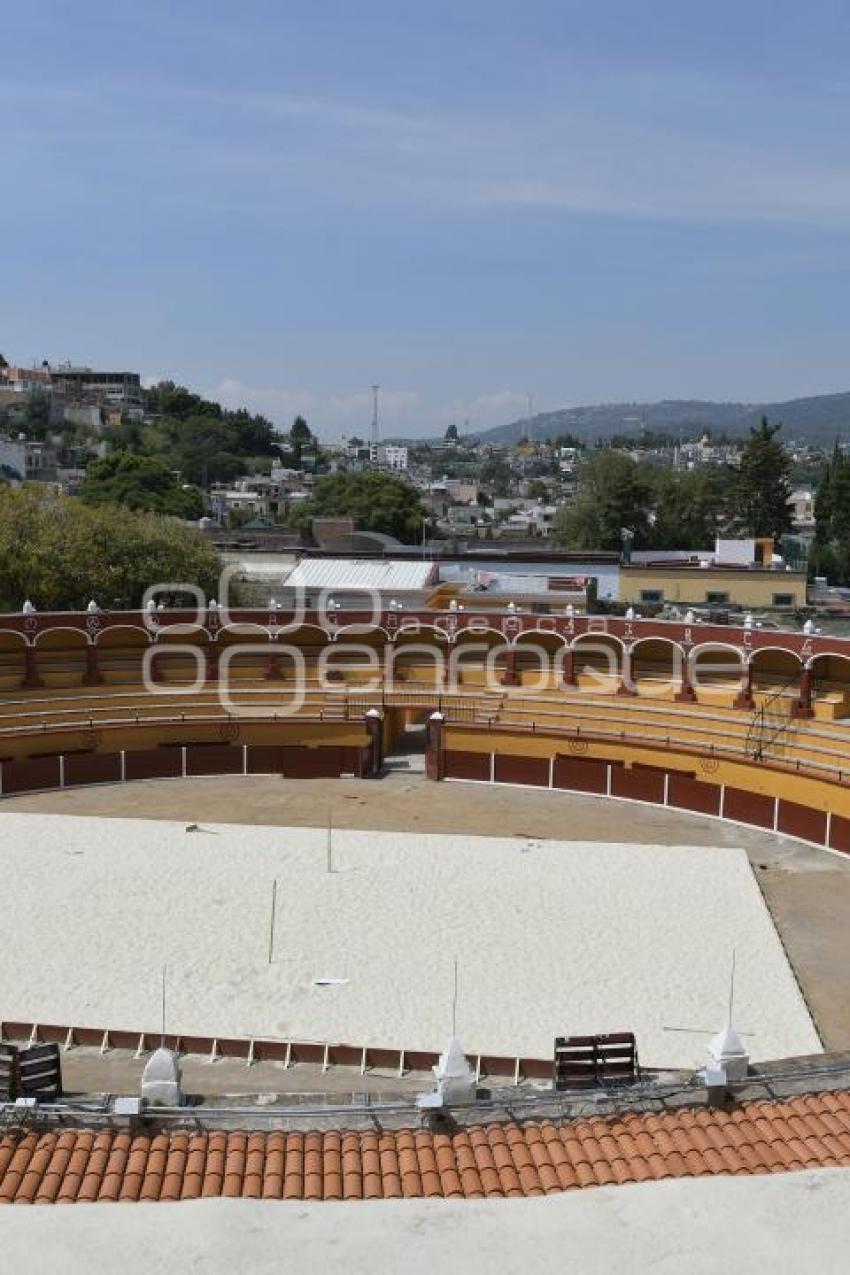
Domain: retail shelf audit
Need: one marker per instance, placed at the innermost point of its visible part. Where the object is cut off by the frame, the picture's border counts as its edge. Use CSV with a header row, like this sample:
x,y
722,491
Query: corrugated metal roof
x,y
391,575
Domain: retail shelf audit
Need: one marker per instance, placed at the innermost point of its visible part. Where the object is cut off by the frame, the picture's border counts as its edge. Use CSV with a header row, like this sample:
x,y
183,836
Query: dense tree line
x,y
664,508
60,553
376,501
830,553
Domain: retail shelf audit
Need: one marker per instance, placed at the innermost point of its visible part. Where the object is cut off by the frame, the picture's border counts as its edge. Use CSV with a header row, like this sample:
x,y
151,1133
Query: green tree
x,y
60,553
377,502
36,418
830,552
613,495
497,473
761,487
139,482
685,509
537,490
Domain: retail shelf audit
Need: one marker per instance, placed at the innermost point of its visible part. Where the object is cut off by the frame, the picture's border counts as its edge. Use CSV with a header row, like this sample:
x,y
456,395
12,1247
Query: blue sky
x,y
468,202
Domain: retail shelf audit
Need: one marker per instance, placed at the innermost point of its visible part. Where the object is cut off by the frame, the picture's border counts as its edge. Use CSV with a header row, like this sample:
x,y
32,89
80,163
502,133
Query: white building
x,y
392,456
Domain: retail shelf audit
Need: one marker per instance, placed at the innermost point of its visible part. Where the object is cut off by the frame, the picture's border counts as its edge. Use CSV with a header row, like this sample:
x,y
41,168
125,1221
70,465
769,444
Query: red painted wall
x,y
642,784
692,794
583,775
467,765
93,768
522,770
748,807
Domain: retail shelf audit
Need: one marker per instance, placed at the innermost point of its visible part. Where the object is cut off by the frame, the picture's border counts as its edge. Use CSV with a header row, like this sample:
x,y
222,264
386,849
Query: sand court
x,y
549,937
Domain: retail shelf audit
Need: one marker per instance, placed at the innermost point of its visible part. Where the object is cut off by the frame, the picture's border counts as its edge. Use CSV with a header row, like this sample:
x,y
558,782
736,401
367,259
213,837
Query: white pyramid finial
x,y
455,1080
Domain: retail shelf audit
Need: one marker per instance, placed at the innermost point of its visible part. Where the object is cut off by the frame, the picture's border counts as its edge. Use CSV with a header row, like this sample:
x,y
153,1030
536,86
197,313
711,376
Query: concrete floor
x,y
807,890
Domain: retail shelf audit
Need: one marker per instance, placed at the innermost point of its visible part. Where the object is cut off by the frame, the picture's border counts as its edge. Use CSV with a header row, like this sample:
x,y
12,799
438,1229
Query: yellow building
x,y
755,588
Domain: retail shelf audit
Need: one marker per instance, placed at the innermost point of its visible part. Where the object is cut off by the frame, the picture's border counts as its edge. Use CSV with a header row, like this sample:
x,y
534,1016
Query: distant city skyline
x,y
468,203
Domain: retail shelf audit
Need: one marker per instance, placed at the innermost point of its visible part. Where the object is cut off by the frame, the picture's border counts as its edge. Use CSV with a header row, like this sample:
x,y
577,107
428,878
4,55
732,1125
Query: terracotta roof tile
x,y
506,1159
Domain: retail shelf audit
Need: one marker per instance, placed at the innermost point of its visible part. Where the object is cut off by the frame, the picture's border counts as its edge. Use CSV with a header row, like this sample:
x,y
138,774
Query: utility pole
x,y
373,450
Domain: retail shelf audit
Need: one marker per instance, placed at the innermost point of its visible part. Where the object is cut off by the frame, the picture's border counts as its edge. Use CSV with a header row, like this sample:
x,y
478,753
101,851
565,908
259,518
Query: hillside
x,y
813,420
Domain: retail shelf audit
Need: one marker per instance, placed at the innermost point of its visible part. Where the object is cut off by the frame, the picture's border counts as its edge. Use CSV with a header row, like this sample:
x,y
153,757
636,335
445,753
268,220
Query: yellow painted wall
x,y
814,793
691,585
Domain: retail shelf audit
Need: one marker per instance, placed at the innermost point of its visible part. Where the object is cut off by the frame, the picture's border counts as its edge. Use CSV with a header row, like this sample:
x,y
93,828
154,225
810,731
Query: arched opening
x,y
540,660
775,677
356,655
598,663
61,657
120,654
244,654
181,656
12,661
418,657
830,685
716,673
478,659
657,668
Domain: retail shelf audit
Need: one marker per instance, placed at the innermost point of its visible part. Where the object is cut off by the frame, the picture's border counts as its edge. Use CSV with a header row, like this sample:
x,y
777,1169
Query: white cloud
x,y
497,408
359,404
325,411
278,403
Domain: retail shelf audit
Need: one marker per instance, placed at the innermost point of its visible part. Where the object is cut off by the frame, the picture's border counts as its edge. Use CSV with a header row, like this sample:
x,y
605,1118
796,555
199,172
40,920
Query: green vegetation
x,y
378,502
198,437
761,488
614,495
830,553
60,553
685,507
139,482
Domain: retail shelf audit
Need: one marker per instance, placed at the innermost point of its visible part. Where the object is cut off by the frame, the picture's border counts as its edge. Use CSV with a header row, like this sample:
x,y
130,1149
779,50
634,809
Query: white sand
x,y
550,936
787,1224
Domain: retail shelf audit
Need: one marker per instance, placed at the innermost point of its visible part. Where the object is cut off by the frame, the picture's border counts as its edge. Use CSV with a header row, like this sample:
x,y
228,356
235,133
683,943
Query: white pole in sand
x,y
272,919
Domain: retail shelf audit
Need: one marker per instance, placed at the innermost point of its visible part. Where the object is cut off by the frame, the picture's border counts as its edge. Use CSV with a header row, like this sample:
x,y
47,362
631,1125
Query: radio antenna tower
x,y
374,447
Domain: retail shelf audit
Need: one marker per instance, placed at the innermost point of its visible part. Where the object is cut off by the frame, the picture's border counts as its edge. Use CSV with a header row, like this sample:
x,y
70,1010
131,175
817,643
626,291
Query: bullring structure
x,y
740,723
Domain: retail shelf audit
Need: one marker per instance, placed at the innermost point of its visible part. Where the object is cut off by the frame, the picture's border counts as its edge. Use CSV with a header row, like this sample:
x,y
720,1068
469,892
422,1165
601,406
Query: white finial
x,y
212,605
151,605
748,620
454,1077
28,608
92,607
569,610
689,617
453,604
809,627
630,613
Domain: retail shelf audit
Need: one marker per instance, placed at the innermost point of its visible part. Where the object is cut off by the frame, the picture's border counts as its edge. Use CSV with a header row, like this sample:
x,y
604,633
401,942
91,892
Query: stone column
x,y
31,677
803,705
375,729
744,698
435,750
511,677
627,675
569,668
686,693
213,658
91,677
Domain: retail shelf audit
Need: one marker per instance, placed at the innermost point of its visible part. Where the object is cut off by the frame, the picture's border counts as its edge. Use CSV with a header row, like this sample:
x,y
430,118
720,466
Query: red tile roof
x,y
84,1165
